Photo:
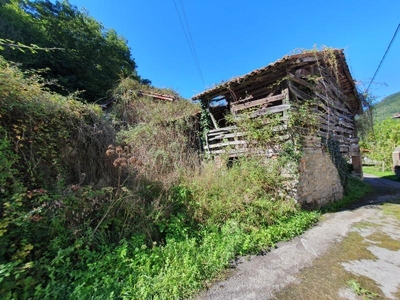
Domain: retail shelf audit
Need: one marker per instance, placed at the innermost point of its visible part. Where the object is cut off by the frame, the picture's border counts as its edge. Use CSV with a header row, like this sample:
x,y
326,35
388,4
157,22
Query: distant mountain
x,y
386,108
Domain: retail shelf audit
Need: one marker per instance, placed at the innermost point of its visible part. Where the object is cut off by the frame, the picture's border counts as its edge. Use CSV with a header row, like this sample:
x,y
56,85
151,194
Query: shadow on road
x,y
383,191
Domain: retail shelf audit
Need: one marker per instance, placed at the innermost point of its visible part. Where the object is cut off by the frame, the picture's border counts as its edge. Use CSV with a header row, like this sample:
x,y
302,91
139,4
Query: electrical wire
x,y
189,39
383,58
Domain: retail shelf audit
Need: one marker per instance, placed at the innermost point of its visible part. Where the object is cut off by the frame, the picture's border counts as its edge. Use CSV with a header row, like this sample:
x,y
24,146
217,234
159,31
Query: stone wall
x,y
319,181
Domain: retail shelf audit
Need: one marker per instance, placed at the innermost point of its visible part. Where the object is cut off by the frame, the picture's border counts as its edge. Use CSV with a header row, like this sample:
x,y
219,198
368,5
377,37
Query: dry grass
x,y
160,137
133,108
392,209
383,240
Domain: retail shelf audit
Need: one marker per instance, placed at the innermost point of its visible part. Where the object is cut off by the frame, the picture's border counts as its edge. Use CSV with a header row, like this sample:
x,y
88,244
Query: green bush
x,y
248,190
382,140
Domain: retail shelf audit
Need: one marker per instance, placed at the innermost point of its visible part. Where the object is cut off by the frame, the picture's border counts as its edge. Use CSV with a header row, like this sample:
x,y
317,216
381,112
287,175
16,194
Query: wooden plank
x,y
228,136
244,151
300,81
298,93
215,123
322,104
239,106
337,91
270,110
354,148
346,124
335,129
333,104
286,100
226,144
354,140
157,96
222,129
335,121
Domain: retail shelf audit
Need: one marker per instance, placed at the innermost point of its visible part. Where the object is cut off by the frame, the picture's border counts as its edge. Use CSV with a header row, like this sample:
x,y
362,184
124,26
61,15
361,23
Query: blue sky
x,y
232,38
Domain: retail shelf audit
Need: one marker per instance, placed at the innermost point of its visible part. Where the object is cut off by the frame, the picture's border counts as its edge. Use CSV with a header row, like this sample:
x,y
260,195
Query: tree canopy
x,y
92,58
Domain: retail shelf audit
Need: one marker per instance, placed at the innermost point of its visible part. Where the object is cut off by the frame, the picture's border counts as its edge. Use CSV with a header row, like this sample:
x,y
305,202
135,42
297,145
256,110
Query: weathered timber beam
x,y
333,111
336,122
298,93
335,92
213,120
222,129
354,148
222,136
226,144
300,81
227,136
354,140
335,129
334,104
270,110
245,151
157,96
344,148
236,107
326,85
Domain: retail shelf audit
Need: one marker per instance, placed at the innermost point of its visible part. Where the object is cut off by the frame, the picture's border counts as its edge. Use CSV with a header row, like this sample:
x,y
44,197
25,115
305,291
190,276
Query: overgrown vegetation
x,y
381,142
379,133
119,205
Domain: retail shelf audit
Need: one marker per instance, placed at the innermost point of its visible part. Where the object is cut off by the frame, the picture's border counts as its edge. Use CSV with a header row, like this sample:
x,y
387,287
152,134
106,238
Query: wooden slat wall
x,y
335,116
235,107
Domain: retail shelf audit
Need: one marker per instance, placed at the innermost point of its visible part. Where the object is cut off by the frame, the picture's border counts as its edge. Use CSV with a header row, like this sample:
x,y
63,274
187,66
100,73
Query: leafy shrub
x,y
48,142
382,140
53,136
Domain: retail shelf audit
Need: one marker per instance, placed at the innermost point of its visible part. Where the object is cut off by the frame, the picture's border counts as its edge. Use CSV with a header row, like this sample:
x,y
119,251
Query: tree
x,y
382,140
93,59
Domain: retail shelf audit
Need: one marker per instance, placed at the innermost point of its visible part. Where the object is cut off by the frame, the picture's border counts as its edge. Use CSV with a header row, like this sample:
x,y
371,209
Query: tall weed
x,y
250,190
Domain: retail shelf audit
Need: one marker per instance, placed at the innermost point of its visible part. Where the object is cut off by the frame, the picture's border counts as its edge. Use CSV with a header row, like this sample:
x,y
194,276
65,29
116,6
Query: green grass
x,y
176,269
378,172
354,191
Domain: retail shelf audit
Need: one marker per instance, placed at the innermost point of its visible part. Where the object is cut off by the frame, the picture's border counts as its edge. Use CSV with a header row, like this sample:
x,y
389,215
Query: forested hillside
x,y
386,108
86,57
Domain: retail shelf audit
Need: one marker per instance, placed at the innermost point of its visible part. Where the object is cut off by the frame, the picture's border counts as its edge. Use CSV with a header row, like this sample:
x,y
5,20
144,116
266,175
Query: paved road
x,y
360,243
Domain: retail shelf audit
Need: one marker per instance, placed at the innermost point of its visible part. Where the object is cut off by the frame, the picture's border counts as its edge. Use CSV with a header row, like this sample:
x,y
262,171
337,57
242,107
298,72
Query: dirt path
x,y
351,254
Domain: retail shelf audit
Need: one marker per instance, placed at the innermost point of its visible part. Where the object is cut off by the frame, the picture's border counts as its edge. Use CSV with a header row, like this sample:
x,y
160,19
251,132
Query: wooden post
x,y
286,100
213,119
357,165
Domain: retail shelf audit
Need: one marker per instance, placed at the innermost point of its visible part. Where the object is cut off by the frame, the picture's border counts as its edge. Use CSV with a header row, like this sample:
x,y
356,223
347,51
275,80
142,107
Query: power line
x,y
189,39
383,58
